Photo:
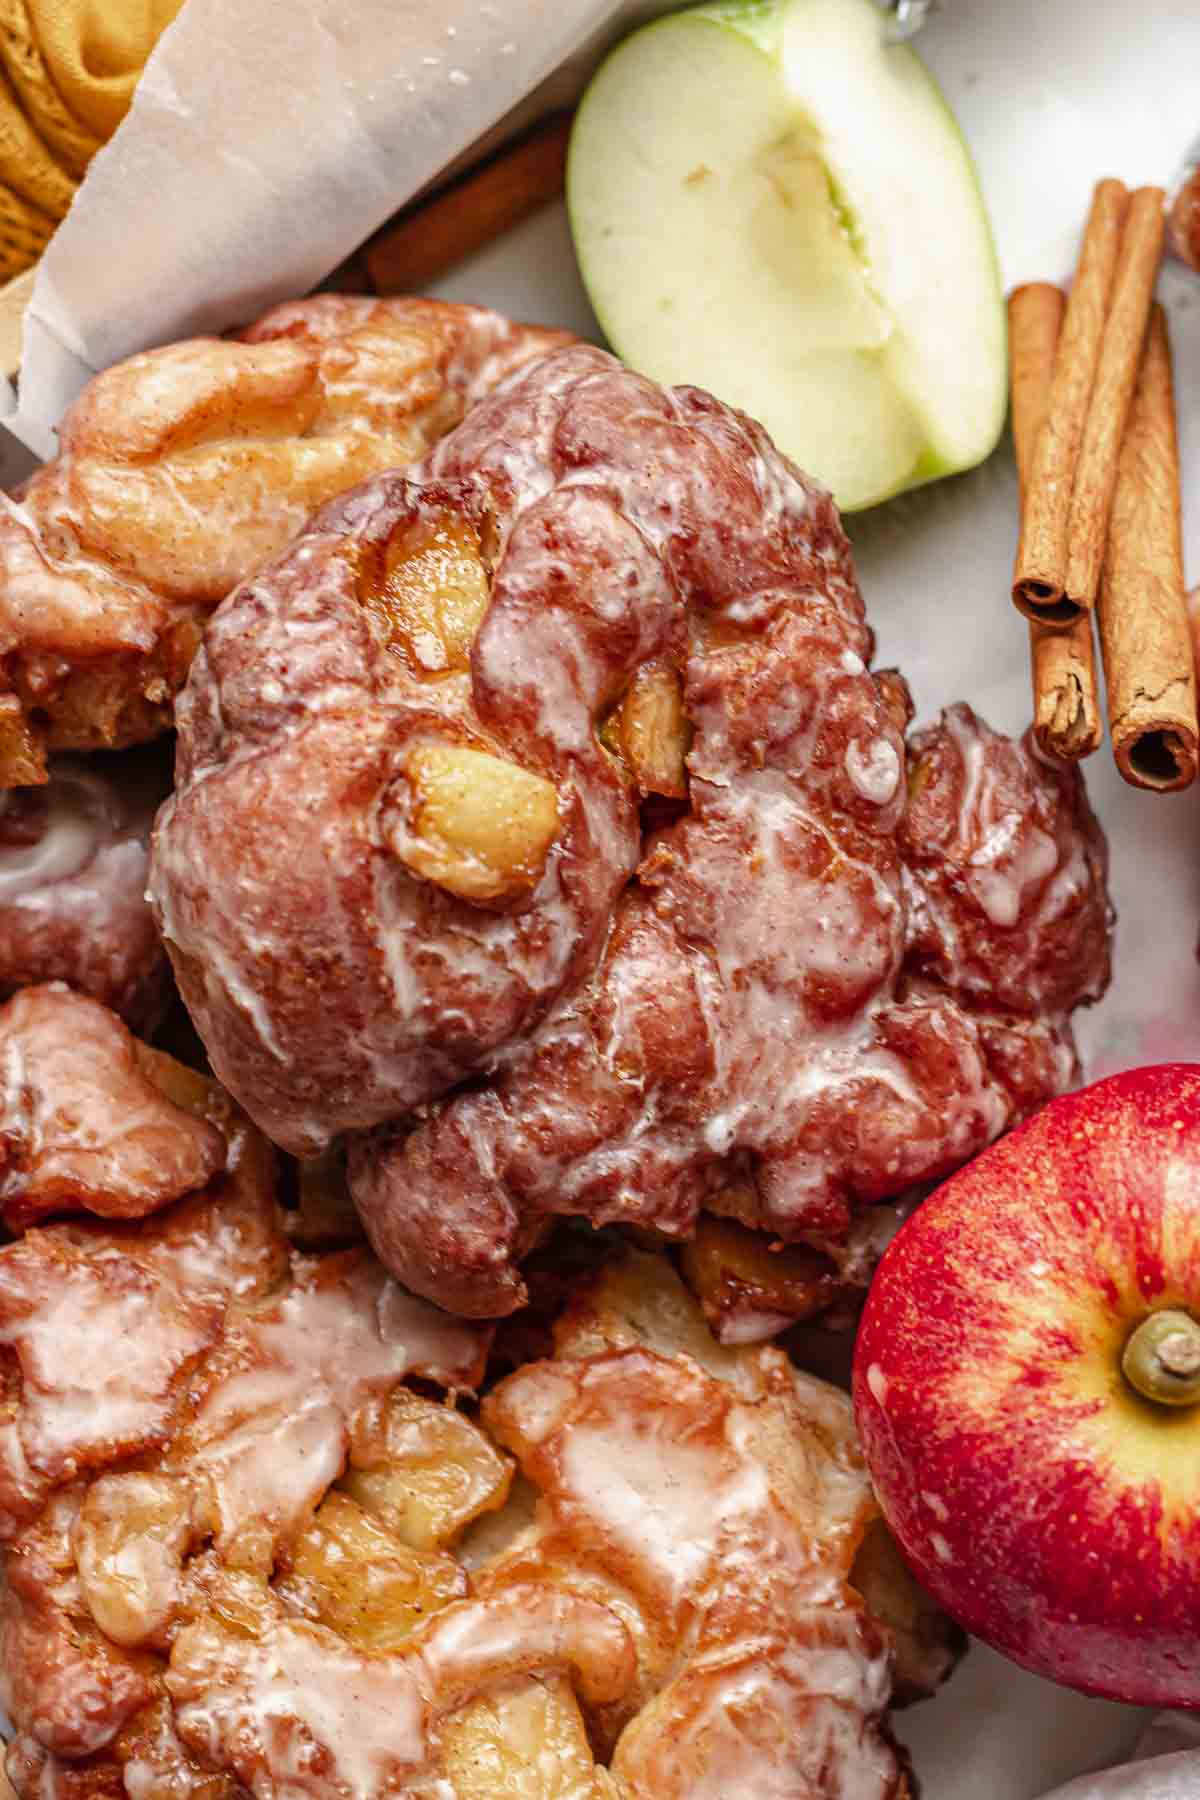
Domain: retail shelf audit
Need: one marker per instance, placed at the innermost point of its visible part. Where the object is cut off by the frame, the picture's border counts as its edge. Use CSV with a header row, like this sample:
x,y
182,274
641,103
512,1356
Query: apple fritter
x,y
180,1393
526,1741
86,1127
715,1498
581,865
926,1644
751,1285
73,855
244,1547
184,469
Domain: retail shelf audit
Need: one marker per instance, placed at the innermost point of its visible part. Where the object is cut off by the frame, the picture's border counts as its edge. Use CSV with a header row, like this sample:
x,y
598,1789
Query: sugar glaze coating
x,y
73,858
182,470
844,968
242,1553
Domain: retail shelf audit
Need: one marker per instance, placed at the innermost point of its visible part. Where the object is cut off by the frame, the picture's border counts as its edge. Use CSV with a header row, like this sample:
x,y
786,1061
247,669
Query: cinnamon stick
x,y
1039,578
1183,220
1144,633
1112,394
434,235
1066,703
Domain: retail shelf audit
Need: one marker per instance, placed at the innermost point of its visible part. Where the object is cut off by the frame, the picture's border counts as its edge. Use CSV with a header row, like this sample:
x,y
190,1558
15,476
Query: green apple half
x,y
770,200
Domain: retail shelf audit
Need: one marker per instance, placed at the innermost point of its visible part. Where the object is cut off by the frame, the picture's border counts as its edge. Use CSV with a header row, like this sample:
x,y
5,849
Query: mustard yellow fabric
x,y
68,69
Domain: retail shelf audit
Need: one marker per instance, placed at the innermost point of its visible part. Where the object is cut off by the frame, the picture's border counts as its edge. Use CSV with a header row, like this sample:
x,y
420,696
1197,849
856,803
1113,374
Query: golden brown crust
x,y
750,1284
246,1545
528,994
926,1644
715,1499
182,470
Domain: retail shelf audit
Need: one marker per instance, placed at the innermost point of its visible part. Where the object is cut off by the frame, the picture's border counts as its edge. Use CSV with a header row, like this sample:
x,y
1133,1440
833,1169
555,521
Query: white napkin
x,y
265,142
1165,1766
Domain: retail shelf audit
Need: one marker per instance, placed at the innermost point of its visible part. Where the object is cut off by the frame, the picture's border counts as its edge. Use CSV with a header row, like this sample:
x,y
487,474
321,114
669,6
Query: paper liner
x,y
264,144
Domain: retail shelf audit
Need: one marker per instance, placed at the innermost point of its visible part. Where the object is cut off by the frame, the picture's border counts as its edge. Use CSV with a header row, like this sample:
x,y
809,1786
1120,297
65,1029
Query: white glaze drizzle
x,y
79,819
725,1508
628,522
297,1711
271,1432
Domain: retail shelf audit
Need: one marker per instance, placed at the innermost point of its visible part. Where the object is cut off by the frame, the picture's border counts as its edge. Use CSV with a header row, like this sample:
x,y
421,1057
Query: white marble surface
x,y
1053,94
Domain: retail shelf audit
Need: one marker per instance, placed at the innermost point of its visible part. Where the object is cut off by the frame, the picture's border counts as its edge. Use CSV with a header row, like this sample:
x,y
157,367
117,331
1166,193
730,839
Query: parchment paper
x,y
266,141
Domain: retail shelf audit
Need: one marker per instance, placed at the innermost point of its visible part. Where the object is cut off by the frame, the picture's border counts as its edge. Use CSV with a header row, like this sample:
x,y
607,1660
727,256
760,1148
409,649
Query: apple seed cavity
x,y
1162,1358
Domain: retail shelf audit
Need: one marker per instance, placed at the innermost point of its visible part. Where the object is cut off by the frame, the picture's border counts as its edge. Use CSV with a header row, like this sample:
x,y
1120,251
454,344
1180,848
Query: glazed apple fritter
x,y
86,1126
542,834
184,469
242,1553
73,856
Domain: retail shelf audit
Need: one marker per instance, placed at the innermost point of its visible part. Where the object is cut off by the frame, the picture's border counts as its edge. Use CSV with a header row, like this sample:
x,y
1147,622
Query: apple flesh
x,y
775,203
1046,1503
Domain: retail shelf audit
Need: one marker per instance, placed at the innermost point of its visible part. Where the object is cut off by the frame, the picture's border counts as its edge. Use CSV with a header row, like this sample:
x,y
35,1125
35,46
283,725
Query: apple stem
x,y
1162,1358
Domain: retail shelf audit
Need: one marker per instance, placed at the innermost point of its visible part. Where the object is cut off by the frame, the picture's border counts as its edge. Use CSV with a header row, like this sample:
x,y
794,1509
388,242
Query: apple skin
x,y
1045,1504
771,200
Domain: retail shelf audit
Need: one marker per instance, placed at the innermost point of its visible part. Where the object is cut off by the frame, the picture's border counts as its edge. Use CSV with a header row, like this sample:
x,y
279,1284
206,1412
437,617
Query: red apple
x,y
1044,1501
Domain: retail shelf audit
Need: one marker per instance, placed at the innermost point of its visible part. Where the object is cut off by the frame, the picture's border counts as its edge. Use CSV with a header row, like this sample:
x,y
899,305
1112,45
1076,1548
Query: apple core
x,y
1161,1359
